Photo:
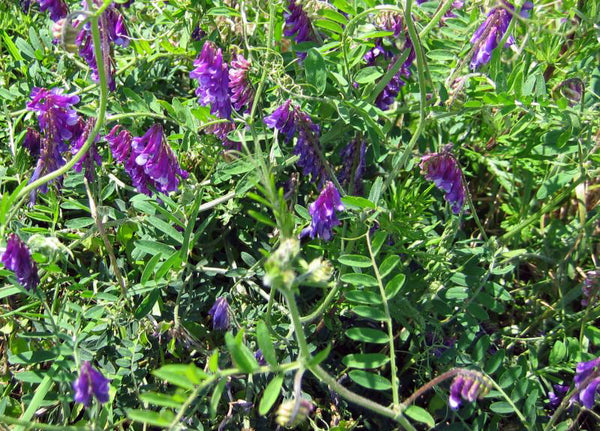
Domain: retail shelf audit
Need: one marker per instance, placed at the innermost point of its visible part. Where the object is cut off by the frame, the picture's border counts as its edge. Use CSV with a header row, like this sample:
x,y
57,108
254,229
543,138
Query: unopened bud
x,y
285,413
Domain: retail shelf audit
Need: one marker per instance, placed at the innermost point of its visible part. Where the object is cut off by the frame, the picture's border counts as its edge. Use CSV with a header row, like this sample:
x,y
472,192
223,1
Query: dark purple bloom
x,y
219,313
283,119
55,112
92,154
353,159
58,8
242,93
25,5
385,22
587,380
90,383
17,258
120,145
442,168
260,358
388,95
308,148
198,33
556,397
221,131
156,157
297,25
490,33
32,142
112,29
323,214
590,287
468,386
213,81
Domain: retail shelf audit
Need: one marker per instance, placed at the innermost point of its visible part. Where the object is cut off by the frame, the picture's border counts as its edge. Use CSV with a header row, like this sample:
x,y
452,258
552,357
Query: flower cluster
x,y
442,168
556,397
289,120
90,383
587,380
222,89
468,385
17,258
148,160
590,288
213,81
492,30
112,29
298,25
242,93
58,8
58,122
92,154
322,212
353,157
219,314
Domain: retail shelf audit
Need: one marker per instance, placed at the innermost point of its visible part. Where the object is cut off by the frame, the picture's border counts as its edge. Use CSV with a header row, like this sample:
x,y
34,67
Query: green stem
x,y
444,7
93,20
414,38
510,402
388,321
27,425
38,398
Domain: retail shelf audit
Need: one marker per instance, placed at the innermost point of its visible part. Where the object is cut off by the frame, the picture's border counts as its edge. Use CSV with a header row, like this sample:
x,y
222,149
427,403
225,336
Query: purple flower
x,y
120,145
90,383
112,29
353,159
556,397
308,148
92,154
260,358
283,119
58,8
388,95
32,142
198,33
17,258
323,215
221,131
297,25
468,385
490,33
219,313
587,380
442,168
156,157
56,115
590,287
385,22
242,93
213,81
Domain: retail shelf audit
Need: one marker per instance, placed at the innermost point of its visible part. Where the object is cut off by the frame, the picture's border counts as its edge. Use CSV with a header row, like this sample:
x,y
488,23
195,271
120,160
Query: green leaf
x,y
355,260
357,202
261,218
394,286
184,376
216,397
270,395
162,400
419,414
329,25
359,279
501,407
32,357
240,354
265,343
365,360
147,303
370,380
370,312
314,68
149,269
321,356
363,297
167,228
333,16
159,419
388,265
368,75
367,335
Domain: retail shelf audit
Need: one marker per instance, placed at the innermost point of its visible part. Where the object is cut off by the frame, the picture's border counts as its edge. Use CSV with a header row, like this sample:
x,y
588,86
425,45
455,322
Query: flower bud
x,y
285,413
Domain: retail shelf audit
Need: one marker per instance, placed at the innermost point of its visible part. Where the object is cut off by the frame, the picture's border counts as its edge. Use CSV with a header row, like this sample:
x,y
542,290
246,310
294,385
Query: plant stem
x,y
388,321
101,113
439,14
